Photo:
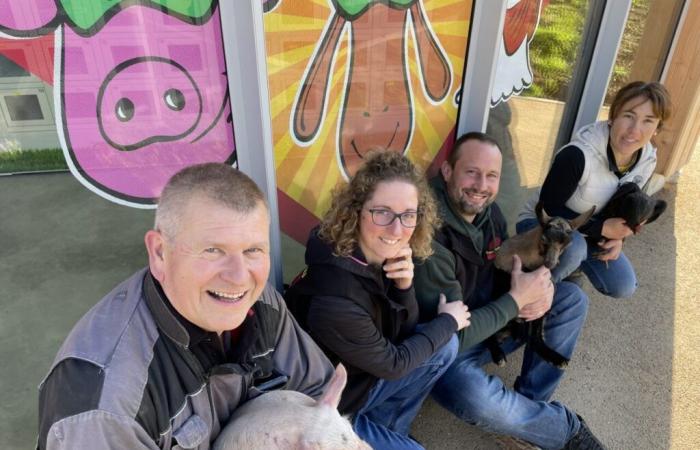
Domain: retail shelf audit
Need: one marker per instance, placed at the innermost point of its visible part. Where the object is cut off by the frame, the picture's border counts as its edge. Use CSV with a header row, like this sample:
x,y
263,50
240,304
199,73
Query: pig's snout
x,y
146,100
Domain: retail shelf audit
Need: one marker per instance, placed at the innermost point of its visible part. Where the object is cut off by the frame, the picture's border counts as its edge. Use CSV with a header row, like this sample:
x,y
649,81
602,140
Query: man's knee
x,y
445,355
570,299
622,290
465,391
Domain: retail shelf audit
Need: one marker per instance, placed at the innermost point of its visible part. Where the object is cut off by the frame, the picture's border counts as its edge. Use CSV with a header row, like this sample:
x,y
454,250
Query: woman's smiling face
x,y
378,242
633,127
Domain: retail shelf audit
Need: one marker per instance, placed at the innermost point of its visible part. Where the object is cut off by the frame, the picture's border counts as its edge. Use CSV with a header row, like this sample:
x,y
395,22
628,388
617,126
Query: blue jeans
x,y
524,412
385,419
615,279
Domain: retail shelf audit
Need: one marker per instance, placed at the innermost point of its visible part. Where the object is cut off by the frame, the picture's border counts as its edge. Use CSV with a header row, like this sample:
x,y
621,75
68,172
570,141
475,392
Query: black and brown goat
x,y
539,246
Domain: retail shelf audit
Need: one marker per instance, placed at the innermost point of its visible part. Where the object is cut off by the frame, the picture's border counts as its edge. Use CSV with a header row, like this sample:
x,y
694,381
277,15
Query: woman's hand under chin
x,y
400,268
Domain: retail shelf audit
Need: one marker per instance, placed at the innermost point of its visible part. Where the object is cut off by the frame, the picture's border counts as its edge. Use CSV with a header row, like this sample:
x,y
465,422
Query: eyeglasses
x,y
385,217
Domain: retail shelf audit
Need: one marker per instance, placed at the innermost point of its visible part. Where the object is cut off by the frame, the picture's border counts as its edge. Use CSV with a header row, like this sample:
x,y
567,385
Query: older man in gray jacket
x,y
165,358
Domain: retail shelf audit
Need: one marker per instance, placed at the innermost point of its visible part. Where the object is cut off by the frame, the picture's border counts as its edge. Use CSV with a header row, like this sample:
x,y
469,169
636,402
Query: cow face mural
x,y
377,108
347,77
140,90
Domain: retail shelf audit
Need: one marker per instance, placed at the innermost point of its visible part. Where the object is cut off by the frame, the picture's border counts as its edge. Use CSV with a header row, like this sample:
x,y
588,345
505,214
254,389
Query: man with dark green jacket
x,y
462,268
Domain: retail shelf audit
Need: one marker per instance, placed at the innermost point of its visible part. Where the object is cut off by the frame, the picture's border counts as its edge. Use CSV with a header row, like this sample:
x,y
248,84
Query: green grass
x,y
32,160
554,49
628,47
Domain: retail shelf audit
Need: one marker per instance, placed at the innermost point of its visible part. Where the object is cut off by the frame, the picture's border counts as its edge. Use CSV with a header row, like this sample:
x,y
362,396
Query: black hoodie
x,y
358,317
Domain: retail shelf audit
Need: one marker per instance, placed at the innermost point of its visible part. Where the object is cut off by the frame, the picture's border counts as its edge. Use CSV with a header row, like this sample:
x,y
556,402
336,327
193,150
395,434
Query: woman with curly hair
x,y
357,300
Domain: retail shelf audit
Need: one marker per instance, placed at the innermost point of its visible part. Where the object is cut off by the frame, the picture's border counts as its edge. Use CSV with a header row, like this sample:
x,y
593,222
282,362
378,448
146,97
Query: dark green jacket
x,y
462,268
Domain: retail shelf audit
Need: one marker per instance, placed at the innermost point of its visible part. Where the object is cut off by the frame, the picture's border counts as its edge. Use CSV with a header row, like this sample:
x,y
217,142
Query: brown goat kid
x,y
539,246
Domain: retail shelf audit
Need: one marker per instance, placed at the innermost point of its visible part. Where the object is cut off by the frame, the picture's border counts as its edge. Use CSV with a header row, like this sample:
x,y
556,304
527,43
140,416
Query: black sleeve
x,y
74,386
407,299
348,330
562,180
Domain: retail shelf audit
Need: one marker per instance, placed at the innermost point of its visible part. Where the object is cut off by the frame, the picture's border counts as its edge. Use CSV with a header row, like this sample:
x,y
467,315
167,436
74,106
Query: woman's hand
x,y
456,309
400,268
610,249
616,228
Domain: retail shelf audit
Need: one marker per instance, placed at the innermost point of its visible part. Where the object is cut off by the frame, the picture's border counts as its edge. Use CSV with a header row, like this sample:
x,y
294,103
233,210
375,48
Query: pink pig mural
x,y
140,89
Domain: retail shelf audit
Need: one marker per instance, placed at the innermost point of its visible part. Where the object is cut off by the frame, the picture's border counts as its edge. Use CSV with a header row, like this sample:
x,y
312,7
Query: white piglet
x,y
286,420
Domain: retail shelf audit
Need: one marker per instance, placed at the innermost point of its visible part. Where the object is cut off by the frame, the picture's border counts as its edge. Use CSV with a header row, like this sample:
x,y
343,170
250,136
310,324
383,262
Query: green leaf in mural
x,y
86,13
350,9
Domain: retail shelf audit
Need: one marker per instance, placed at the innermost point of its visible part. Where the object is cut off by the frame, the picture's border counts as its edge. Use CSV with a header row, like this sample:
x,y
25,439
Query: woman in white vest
x,y
587,171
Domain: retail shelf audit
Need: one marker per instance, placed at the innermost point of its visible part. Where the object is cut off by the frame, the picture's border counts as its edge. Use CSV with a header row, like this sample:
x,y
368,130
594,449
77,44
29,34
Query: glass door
x,y
542,51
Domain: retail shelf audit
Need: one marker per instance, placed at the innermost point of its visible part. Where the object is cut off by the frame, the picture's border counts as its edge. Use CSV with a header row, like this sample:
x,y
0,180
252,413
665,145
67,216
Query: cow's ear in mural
x,y
140,92
377,104
513,67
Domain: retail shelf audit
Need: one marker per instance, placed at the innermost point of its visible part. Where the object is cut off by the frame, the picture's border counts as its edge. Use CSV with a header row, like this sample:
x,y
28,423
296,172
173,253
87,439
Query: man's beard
x,y
467,209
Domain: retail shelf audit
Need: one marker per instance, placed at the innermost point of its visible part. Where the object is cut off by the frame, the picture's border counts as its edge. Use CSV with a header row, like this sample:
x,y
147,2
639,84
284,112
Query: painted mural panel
x,y
139,87
347,77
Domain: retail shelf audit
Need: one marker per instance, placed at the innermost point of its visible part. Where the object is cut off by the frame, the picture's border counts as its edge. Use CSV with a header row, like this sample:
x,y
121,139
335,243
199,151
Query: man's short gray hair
x,y
215,181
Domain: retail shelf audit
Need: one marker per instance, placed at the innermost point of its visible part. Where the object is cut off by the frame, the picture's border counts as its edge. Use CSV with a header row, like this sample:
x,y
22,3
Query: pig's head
x,y
141,99
285,420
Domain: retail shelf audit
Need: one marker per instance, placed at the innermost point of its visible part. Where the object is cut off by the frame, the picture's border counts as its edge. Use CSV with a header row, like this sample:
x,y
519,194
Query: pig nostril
x,y
174,99
124,110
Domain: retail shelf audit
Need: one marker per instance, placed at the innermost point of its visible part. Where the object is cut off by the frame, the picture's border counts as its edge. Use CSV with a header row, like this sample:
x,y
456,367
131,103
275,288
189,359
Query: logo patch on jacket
x,y
492,248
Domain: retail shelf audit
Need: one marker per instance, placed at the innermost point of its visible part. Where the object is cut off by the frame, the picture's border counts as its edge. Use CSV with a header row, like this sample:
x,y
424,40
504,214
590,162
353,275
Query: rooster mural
x,y
513,72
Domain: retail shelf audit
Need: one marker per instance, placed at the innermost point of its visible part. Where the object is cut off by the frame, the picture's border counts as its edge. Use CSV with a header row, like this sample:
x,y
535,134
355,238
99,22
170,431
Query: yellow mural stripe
x,y
282,101
452,29
325,174
276,64
278,26
329,184
282,147
435,4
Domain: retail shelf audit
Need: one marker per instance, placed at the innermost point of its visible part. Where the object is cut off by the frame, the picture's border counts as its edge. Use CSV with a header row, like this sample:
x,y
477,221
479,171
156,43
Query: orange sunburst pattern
x,y
346,77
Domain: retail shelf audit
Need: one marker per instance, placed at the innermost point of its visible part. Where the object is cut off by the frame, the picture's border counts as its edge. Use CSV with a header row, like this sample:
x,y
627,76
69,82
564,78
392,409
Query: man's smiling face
x,y
215,267
472,183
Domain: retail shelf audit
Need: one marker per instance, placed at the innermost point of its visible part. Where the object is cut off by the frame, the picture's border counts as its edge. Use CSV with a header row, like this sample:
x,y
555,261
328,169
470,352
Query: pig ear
x,y
581,219
335,387
27,18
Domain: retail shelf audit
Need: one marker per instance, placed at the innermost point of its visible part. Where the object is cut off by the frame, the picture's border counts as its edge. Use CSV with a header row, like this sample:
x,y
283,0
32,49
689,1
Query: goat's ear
x,y
541,214
659,209
581,219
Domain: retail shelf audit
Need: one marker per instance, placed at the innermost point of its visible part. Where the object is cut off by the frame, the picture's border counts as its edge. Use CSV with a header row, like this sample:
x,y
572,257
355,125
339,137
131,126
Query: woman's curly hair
x,y
340,225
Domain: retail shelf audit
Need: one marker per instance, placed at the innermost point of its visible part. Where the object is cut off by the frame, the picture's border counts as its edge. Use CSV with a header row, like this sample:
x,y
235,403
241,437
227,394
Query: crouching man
x,y
462,266
164,359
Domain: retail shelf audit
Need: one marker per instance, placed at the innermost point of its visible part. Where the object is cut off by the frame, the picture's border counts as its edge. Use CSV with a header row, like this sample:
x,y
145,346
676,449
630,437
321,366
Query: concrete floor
x,y
633,377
